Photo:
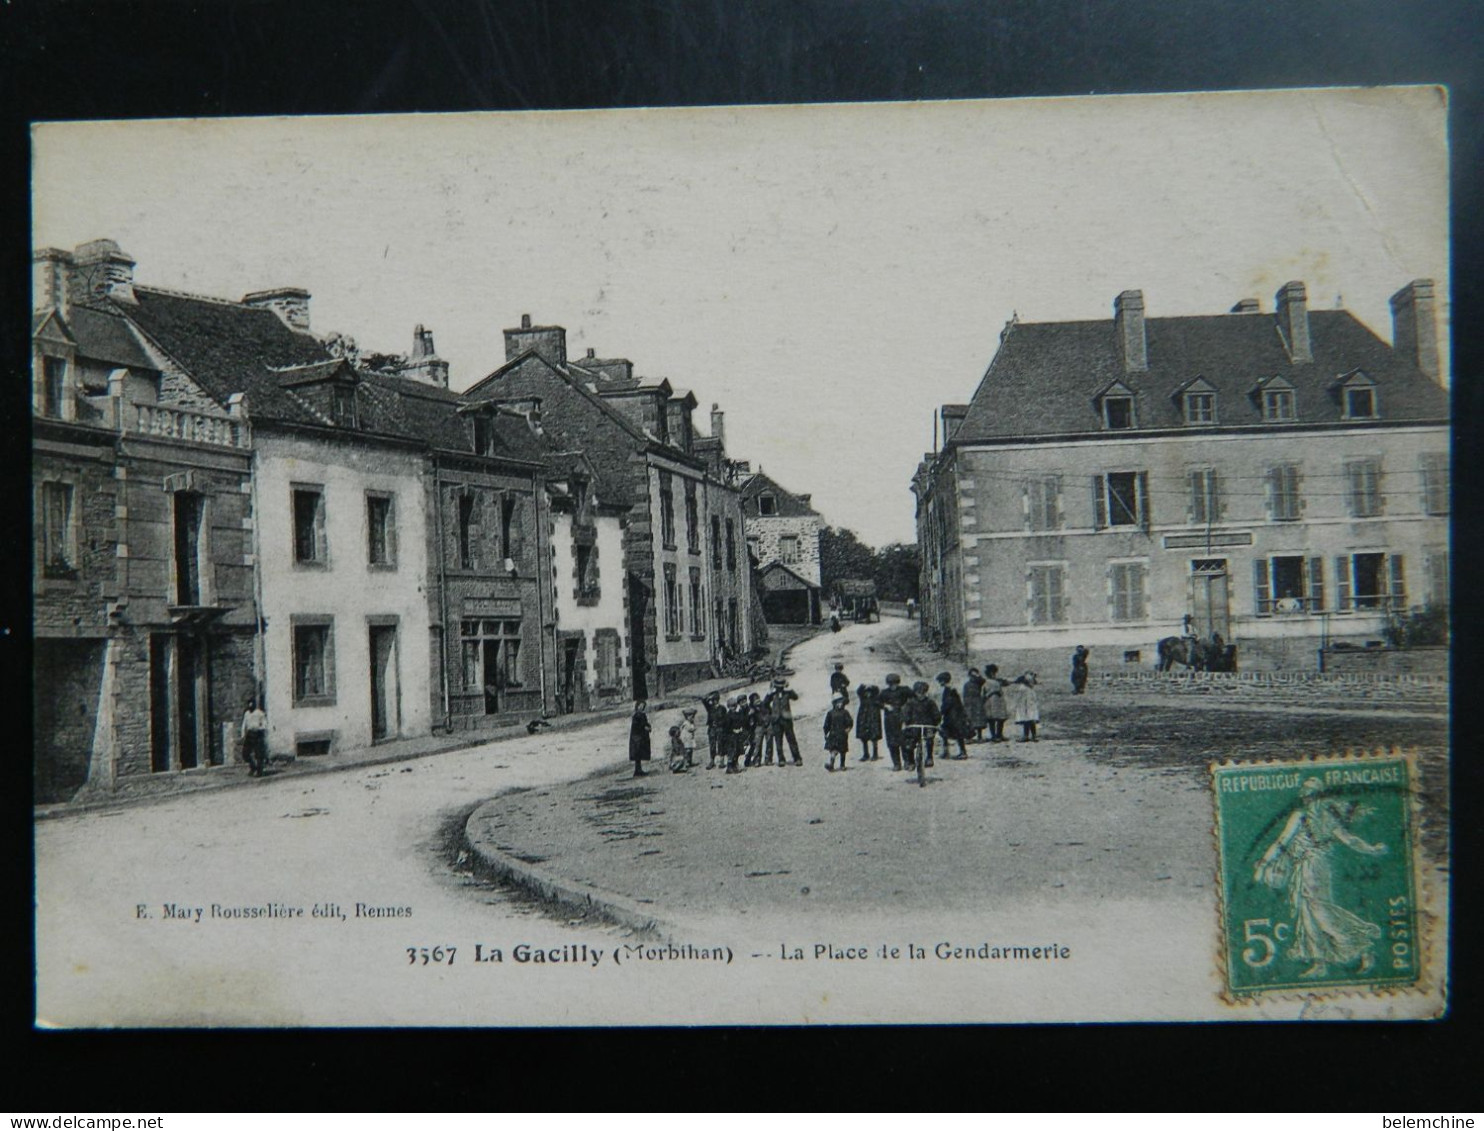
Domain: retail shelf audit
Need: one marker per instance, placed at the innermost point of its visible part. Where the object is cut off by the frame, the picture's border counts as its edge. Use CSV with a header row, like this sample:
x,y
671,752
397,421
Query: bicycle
x,y
920,751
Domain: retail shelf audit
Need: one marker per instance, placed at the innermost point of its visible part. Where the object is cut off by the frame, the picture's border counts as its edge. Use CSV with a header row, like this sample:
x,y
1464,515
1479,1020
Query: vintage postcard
x,y
933,562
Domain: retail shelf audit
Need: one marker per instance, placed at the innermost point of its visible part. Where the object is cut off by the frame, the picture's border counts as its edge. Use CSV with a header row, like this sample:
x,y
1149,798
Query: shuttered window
x,y
1435,482
1205,498
1045,589
1121,498
1126,590
1041,502
381,530
1363,487
1284,501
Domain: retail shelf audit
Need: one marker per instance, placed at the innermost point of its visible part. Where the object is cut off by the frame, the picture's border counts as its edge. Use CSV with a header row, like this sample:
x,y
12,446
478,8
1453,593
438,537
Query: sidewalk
x,y
159,787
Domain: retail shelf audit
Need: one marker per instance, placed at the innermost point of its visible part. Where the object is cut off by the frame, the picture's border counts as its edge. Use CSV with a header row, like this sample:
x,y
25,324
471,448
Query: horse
x,y
1213,655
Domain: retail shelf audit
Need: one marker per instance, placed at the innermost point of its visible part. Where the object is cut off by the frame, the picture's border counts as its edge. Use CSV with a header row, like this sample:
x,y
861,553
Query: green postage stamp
x,y
1317,884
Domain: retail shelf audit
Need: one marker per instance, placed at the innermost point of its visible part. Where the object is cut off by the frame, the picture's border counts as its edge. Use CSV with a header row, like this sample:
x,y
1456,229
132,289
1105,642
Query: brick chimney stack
x,y
1128,321
718,424
548,341
1292,304
423,363
101,269
1414,326
290,304
49,279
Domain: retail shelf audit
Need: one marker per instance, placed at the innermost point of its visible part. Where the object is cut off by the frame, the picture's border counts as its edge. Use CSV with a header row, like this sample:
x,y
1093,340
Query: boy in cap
x,y
839,682
893,703
955,718
837,733
782,720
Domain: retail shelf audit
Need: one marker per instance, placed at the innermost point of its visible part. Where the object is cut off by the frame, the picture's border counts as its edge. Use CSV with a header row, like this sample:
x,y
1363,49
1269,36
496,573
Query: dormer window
x,y
1116,406
53,386
343,405
767,505
484,436
1197,402
1277,401
1358,397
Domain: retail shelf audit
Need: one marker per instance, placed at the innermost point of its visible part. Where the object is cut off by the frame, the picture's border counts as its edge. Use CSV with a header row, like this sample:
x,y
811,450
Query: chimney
x,y
49,279
423,363
548,341
101,269
1128,321
1292,303
289,303
1414,327
718,424
1247,306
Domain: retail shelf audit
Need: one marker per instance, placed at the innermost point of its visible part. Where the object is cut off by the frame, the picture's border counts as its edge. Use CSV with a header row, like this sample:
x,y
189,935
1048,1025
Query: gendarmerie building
x,y
1281,478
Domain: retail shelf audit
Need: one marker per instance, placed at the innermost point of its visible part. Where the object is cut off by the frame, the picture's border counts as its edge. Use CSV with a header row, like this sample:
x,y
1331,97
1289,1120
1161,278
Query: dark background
x,y
63,59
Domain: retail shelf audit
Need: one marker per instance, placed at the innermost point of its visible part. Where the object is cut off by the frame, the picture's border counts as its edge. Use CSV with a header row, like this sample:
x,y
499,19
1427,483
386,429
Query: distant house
x,y
1279,479
783,529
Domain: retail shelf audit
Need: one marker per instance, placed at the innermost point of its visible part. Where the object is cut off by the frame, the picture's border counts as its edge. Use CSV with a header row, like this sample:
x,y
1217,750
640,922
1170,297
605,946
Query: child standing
x,y
678,764
688,735
837,733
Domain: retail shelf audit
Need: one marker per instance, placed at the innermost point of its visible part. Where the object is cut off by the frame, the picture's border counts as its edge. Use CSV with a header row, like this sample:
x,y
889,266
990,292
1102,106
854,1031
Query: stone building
x,y
143,610
687,587
1279,478
783,533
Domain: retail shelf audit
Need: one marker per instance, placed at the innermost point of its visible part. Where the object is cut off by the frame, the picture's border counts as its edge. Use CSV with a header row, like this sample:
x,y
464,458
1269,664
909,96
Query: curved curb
x,y
552,889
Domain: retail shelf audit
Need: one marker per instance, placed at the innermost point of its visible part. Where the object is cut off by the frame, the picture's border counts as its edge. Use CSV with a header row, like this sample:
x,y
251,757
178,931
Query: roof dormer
x,y
1358,396
1116,407
1275,399
1197,401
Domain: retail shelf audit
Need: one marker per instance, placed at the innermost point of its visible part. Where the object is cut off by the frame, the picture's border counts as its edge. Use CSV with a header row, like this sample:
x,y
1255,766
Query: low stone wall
x,y
1295,686
1386,661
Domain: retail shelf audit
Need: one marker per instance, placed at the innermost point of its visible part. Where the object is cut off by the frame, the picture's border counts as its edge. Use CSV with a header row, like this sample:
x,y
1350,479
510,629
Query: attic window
x,y
484,436
1278,404
767,505
1118,412
1200,408
343,406
1360,403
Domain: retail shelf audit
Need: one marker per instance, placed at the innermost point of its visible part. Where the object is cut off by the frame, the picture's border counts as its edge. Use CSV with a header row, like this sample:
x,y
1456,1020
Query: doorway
x,y
1210,603
179,703
385,692
638,609
568,679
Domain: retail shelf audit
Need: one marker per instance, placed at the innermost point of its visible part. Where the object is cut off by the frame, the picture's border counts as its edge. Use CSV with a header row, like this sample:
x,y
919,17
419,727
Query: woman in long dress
x,y
996,710
639,738
974,691
1301,859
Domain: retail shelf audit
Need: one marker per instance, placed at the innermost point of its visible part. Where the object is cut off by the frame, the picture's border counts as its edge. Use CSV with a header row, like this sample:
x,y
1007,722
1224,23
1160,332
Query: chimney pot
x,y
525,321
1128,321
1414,327
548,341
1292,302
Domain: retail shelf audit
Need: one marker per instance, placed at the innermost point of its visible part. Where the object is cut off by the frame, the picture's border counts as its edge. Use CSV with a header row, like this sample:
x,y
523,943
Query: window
x,y
716,540
1363,487
1126,590
309,525
491,650
697,606
58,543
343,405
1118,412
1437,579
53,387
1287,585
1046,594
731,546
767,505
1360,403
667,511
1278,405
314,663
1041,498
788,549
510,528
381,530
1435,486
606,641
1121,498
586,568
732,623
1205,496
1370,581
692,518
1200,408
468,507
672,602
1284,501
484,435
189,513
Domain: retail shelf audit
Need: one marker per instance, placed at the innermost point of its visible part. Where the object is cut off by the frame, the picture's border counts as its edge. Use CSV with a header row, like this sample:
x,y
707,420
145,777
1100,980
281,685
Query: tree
x,y
843,555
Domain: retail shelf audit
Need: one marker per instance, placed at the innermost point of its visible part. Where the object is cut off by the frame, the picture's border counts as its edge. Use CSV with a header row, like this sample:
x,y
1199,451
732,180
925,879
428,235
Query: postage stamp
x,y
1317,885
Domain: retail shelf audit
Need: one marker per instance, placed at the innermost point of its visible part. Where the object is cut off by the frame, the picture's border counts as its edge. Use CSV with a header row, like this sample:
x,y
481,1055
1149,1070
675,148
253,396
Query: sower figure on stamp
x,y
783,720
639,738
894,698
254,734
837,733
868,722
955,721
1301,859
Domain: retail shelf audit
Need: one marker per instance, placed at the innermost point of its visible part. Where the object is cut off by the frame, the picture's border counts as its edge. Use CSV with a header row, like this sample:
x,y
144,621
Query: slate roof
x,y
776,565
1045,377
105,336
789,504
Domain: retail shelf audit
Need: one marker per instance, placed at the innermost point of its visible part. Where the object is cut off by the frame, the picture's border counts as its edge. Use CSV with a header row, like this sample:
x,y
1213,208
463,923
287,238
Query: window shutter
x,y
1143,591
1058,601
1192,496
1144,520
1025,505
1299,504
391,531
1316,585
1398,583
1274,492
321,541
1343,600
1099,503
329,688
1060,516
1262,591
1215,504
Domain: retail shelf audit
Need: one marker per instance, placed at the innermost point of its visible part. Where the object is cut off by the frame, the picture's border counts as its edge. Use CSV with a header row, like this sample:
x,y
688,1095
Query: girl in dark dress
x,y
974,692
996,710
639,738
837,733
868,722
955,725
